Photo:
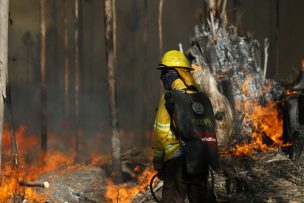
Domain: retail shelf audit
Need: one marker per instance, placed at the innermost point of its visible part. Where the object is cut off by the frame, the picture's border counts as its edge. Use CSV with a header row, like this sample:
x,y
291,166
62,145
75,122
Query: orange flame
x,y
244,87
124,193
291,92
265,121
32,163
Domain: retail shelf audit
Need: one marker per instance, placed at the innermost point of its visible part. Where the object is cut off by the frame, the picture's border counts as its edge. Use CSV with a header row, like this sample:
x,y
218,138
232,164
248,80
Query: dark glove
x,y
158,166
160,174
168,77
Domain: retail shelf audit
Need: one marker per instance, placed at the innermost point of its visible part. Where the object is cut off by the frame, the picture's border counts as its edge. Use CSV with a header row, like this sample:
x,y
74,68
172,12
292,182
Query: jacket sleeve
x,y
161,131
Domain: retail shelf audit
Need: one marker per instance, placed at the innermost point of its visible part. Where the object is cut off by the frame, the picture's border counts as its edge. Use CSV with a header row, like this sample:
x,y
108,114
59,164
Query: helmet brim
x,y
164,67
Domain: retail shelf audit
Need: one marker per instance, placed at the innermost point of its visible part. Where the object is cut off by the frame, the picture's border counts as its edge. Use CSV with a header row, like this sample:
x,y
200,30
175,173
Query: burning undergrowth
x,y
127,192
262,123
55,177
31,164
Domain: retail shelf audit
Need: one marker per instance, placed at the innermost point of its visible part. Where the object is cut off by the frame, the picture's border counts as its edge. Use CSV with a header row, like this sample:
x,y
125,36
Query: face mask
x,y
168,77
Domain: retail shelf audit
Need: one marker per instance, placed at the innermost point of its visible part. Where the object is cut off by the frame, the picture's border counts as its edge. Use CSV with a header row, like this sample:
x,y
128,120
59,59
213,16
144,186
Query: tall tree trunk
x,y
28,41
224,13
114,28
11,121
146,115
53,37
77,76
66,66
276,39
4,9
91,62
205,9
111,65
212,6
160,26
238,13
43,77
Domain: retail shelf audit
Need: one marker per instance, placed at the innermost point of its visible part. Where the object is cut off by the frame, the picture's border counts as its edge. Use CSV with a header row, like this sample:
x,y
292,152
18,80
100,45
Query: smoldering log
x,y
34,184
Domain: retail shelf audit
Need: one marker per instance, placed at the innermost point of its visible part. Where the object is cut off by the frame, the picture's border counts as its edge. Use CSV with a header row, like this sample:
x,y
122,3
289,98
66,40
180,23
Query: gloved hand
x,y
160,175
158,166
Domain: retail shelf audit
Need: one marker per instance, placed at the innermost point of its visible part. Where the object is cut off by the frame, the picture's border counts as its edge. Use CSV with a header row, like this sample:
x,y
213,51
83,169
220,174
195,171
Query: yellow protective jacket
x,y
165,144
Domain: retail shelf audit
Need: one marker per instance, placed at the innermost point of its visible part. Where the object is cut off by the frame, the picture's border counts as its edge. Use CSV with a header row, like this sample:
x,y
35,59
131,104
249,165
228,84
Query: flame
x,y
265,121
245,85
32,164
291,92
124,193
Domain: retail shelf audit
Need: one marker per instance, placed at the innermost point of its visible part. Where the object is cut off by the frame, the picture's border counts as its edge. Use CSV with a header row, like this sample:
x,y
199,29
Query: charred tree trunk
x,y
223,14
28,41
92,60
11,121
114,28
77,76
160,26
276,43
43,77
237,4
4,8
145,77
111,65
212,6
53,37
66,66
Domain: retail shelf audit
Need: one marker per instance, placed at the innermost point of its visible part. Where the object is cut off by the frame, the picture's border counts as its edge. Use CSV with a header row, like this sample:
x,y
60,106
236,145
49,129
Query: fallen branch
x,y
53,172
130,153
266,45
35,184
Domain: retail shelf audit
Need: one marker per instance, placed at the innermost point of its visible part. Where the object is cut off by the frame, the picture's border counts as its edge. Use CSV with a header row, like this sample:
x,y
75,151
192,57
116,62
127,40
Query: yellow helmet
x,y
175,59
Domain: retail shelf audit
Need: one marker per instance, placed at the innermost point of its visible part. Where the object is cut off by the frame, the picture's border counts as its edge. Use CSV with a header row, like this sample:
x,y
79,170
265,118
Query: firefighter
x,y
180,157
298,85
293,118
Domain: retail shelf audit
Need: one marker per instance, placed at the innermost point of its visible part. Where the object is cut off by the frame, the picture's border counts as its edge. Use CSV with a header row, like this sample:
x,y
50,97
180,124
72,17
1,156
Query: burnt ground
x,y
265,177
269,177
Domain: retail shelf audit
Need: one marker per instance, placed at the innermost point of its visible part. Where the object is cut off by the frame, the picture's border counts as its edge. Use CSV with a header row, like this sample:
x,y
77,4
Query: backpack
x,y
193,122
